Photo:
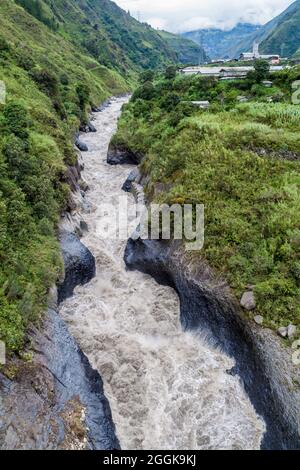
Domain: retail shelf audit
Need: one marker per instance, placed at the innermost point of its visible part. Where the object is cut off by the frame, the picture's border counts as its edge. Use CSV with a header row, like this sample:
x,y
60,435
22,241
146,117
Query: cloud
x,y
186,15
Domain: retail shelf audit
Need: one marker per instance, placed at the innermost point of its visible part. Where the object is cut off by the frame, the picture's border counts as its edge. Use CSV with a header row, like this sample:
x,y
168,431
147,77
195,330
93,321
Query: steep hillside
x,y
284,38
220,44
105,31
279,36
57,59
50,86
187,51
241,160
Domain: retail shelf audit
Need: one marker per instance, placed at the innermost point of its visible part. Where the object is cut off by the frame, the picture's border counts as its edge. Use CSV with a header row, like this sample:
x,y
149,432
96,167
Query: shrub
x,y
47,81
170,72
16,120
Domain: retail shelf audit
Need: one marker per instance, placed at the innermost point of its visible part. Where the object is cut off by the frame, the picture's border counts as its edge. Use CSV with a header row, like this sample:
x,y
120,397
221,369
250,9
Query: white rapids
x,y
167,389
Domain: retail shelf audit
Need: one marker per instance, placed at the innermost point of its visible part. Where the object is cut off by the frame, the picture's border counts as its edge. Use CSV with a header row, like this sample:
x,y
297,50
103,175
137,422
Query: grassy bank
x,y
241,160
50,87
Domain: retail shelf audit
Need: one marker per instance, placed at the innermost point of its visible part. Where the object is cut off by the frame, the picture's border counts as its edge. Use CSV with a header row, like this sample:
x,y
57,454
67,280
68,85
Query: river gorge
x,y
168,388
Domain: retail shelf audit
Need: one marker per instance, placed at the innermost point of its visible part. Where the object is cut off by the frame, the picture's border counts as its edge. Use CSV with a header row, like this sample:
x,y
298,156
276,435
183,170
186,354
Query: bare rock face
x,y
262,363
80,266
55,401
118,155
248,301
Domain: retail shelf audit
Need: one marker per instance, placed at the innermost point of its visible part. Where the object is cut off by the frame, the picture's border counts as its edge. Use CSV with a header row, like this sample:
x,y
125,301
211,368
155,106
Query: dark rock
x,y
83,185
84,226
264,366
91,127
71,202
71,177
133,177
35,407
84,128
99,109
119,156
79,264
81,145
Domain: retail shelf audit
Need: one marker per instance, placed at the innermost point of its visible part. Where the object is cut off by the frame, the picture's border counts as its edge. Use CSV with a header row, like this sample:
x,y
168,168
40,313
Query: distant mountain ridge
x,y
280,36
221,44
188,52
105,31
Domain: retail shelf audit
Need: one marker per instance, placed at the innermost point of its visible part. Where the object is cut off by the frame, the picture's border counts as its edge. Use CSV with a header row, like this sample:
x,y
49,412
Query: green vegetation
x,y
284,38
40,11
188,52
57,59
280,36
50,87
241,160
104,31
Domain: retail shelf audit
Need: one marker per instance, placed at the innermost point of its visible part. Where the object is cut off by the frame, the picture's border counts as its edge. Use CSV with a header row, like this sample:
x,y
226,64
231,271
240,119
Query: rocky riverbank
x,y
54,399
262,361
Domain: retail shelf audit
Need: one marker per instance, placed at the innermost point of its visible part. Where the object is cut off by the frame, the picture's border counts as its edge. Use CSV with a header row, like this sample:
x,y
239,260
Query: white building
x,y
249,56
225,73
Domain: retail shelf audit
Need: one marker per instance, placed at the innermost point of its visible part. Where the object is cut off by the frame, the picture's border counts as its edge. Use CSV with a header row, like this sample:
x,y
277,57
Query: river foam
x,y
168,389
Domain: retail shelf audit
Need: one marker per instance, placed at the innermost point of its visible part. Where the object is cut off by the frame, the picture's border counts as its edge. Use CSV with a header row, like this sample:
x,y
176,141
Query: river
x,y
167,389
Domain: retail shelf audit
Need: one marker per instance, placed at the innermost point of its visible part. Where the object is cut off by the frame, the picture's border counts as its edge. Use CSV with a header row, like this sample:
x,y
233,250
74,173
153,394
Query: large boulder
x,y
118,155
133,177
248,301
81,145
79,263
91,127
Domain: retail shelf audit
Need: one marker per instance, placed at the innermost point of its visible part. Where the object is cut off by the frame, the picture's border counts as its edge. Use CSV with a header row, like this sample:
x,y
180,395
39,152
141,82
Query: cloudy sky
x,y
186,15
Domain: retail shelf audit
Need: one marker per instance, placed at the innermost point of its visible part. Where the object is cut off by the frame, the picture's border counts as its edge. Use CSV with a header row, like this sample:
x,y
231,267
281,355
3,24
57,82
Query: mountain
x,y
187,51
280,36
58,58
220,44
284,37
104,31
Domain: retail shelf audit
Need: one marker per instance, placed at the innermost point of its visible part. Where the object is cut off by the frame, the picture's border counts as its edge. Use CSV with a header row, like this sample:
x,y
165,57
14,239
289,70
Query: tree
x,y
4,47
170,72
147,76
145,92
83,93
16,120
262,70
170,101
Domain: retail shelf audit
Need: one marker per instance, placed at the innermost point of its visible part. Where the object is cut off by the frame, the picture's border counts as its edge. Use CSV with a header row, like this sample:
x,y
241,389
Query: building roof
x,y
217,71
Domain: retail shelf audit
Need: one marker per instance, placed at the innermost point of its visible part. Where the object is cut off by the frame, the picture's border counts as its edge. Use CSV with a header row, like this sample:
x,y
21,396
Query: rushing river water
x,y
167,388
